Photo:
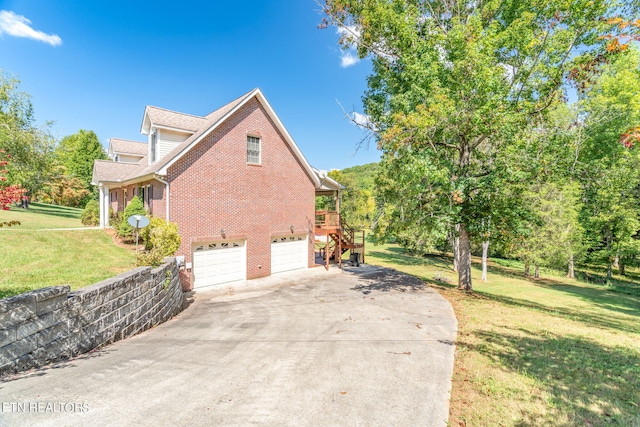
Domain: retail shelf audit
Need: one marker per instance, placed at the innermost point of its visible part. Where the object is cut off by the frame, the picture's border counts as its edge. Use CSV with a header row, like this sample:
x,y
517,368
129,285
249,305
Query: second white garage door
x,y
289,253
219,262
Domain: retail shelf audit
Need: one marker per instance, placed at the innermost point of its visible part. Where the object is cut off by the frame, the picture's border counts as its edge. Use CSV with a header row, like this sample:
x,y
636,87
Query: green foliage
x,y
362,175
30,147
115,219
455,89
151,258
135,207
608,170
91,213
555,235
161,239
162,236
64,190
77,154
357,204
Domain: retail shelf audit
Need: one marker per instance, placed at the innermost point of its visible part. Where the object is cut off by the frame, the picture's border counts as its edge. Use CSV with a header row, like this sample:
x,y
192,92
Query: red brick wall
x,y
156,205
213,188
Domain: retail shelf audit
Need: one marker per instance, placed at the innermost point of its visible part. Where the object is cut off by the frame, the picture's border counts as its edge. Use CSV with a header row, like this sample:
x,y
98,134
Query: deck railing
x,y
344,237
327,220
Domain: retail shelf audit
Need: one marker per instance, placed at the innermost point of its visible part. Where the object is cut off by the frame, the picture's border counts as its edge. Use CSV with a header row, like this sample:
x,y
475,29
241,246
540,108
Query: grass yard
x,y
41,215
33,256
551,351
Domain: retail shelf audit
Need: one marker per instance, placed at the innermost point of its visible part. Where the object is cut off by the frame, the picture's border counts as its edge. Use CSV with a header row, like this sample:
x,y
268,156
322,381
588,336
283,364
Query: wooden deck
x,y
339,237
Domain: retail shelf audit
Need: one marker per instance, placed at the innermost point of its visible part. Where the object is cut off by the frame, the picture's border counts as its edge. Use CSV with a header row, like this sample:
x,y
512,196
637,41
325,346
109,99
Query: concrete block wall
x,y
53,324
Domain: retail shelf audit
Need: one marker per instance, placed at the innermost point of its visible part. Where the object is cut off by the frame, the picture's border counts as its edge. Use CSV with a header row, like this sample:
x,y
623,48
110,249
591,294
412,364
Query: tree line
x,y
47,170
510,124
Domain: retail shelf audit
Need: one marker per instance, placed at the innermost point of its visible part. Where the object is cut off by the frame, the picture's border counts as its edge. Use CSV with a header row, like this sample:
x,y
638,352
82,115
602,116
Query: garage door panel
x,y
218,263
289,253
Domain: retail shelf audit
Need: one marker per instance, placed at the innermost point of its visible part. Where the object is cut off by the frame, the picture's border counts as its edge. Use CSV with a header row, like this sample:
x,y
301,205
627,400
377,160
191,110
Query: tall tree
x,y
609,161
78,152
30,147
454,82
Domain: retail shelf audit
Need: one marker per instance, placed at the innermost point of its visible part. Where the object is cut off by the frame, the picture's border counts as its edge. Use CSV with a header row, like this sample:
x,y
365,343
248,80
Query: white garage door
x,y
289,253
219,262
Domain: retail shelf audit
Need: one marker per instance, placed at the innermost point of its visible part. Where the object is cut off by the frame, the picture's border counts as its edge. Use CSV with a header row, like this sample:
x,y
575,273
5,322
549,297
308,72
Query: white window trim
x,y
259,162
153,146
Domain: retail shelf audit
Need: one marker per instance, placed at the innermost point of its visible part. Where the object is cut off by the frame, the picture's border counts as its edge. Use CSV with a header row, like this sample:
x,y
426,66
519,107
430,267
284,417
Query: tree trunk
x,y
464,243
455,243
610,264
485,253
527,268
571,274
452,242
464,266
536,275
616,260
621,269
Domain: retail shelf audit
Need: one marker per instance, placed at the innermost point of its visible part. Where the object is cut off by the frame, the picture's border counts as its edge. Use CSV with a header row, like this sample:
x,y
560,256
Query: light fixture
x,y
222,232
291,228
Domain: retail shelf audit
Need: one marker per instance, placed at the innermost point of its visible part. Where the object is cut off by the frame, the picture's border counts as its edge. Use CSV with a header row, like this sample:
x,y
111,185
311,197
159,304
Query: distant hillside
x,y
362,176
357,200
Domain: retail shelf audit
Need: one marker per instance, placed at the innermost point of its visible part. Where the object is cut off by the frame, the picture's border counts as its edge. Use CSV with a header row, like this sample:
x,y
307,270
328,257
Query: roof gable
x,y
218,117
202,126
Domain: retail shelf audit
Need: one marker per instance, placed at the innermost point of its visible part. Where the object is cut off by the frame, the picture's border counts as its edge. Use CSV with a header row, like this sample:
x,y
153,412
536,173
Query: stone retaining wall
x,y
52,324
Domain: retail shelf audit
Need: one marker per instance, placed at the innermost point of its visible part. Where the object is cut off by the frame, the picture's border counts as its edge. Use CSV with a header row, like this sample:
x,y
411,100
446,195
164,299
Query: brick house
x,y
235,182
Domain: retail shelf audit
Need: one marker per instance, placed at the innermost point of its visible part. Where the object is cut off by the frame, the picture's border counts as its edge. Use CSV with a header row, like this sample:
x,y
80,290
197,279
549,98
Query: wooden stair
x,y
340,237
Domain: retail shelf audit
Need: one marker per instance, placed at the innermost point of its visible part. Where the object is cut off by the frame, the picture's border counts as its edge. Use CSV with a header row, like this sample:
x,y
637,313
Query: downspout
x,y
166,183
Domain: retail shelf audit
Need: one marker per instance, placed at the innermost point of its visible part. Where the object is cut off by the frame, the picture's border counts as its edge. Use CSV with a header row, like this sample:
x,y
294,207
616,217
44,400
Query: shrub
x,y
91,213
162,236
161,239
135,207
115,218
151,257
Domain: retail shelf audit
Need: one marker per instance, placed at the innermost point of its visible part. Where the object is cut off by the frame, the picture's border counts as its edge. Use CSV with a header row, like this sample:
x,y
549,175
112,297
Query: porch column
x,y
337,197
104,206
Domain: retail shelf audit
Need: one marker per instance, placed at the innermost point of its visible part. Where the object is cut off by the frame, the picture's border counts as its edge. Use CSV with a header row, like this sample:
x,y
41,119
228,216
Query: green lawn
x,y
40,215
541,352
33,256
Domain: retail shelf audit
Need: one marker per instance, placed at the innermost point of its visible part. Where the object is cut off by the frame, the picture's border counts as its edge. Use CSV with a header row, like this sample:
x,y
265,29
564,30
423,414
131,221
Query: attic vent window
x,y
154,144
253,150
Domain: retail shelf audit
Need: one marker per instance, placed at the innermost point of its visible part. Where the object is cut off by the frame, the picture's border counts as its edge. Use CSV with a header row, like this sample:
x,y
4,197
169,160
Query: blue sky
x,y
96,64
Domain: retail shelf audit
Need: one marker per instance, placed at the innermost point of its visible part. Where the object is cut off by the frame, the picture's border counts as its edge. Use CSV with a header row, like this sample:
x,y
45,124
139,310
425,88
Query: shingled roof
x,y
125,146
172,119
108,171
200,126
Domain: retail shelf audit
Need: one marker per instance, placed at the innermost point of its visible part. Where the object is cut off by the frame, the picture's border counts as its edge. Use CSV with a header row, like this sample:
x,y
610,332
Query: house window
x,y
141,194
154,145
253,150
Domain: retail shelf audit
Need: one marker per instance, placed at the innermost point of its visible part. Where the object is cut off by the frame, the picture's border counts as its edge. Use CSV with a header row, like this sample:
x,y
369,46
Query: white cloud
x,y
348,59
349,36
363,121
19,26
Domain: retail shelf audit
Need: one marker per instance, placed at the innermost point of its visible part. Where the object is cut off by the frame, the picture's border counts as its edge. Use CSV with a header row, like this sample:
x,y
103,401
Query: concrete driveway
x,y
368,346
